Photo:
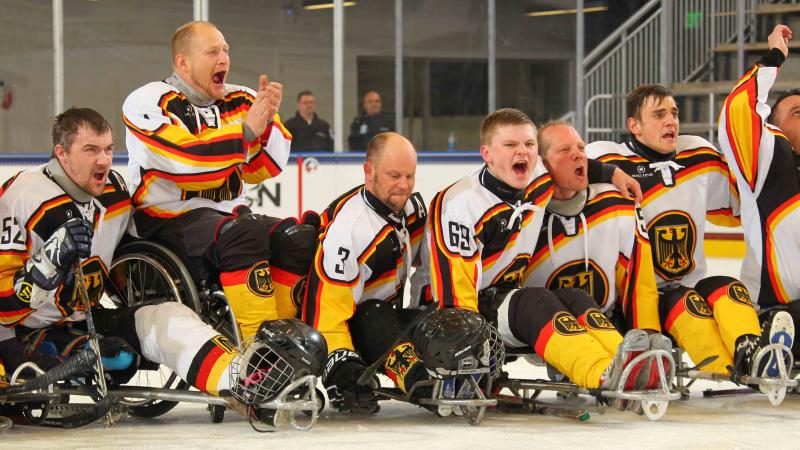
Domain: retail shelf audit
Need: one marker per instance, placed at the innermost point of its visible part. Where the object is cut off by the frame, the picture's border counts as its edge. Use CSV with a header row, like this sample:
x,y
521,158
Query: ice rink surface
x,y
740,421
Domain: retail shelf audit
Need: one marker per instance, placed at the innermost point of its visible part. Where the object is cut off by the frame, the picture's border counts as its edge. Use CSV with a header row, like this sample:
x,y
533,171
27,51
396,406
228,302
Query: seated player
x,y
74,210
370,238
194,142
592,239
478,243
762,147
686,181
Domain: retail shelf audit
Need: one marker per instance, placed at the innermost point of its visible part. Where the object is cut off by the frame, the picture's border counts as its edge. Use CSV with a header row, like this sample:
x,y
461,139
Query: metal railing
x,y
689,31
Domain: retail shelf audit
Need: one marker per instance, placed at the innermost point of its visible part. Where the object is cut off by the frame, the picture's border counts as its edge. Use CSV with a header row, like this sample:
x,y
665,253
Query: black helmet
x,y
455,339
280,352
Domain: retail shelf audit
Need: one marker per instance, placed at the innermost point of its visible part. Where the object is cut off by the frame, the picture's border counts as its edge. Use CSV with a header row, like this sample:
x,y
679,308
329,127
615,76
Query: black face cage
x,y
258,374
489,358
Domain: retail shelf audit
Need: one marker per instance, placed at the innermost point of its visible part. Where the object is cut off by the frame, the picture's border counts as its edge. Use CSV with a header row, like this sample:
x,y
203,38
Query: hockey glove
x,y
46,268
340,377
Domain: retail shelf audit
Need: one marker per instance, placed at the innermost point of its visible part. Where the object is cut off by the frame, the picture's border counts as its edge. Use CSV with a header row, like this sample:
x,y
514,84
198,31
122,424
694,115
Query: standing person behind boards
x,y
309,132
370,122
193,142
370,238
686,181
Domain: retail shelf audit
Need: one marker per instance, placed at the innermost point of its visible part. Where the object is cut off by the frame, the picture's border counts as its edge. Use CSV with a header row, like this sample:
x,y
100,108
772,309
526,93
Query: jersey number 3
x,y
343,253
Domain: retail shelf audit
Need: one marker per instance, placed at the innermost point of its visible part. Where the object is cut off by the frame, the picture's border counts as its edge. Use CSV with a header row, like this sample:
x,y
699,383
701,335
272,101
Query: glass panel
x,y
290,44
107,55
26,73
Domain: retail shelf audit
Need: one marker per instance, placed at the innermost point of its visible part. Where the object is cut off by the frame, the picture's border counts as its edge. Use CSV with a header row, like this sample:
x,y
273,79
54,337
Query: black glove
x,y
46,268
340,377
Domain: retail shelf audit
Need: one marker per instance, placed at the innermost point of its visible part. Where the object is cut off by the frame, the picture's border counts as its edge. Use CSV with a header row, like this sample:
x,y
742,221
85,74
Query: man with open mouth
x,y
193,142
685,181
478,242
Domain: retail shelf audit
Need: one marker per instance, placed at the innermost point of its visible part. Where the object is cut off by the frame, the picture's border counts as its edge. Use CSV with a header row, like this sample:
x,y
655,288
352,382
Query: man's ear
x,y
634,127
487,157
369,172
179,61
60,152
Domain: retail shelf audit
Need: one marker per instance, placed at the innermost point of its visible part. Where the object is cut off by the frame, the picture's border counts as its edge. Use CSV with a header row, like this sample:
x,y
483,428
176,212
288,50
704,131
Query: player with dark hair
x,y
686,181
74,210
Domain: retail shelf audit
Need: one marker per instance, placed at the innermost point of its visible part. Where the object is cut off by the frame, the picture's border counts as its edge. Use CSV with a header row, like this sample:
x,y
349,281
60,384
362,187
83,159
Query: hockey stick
x,y
76,364
372,369
93,341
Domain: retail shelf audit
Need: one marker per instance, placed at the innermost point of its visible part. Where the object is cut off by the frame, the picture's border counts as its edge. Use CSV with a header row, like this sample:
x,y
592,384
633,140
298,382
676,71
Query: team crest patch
x,y
566,324
511,276
224,343
697,305
259,280
596,320
24,292
738,293
673,237
574,275
299,291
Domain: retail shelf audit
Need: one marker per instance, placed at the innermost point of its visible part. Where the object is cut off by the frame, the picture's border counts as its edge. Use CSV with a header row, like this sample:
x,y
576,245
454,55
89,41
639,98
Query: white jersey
x,y
768,174
365,253
680,192
182,157
32,207
604,250
480,234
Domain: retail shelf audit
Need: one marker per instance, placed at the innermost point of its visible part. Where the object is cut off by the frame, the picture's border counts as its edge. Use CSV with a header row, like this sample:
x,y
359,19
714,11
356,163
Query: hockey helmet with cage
x,y
280,352
457,340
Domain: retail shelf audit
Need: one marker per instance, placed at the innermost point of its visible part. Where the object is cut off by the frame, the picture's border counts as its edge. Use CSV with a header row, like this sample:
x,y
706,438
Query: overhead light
x,y
323,4
558,12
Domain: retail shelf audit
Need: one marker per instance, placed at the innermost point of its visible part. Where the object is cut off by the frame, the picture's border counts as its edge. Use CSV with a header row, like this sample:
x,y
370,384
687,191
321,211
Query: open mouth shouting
x,y
520,168
218,78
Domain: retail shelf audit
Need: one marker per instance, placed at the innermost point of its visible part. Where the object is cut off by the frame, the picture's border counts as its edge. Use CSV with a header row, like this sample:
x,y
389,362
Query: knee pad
x,y
576,300
735,290
374,327
680,298
292,247
531,310
243,241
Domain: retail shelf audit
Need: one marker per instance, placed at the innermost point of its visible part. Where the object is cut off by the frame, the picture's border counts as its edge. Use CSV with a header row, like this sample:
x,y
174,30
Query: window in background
x,y
26,71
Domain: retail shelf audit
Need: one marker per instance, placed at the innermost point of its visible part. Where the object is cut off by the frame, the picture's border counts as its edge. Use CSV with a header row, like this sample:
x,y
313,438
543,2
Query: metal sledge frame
x,y
154,260
654,401
472,408
776,387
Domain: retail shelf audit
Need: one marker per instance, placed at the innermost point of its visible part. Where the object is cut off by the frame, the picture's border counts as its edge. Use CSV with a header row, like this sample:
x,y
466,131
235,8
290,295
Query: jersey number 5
x,y
11,227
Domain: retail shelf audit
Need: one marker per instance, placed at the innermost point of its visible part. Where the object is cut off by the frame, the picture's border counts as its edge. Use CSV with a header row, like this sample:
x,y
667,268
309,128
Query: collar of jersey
x,y
647,152
382,210
193,95
60,177
570,207
499,188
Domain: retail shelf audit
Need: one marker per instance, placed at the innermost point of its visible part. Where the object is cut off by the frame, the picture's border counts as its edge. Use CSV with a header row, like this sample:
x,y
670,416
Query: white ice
x,y
741,421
